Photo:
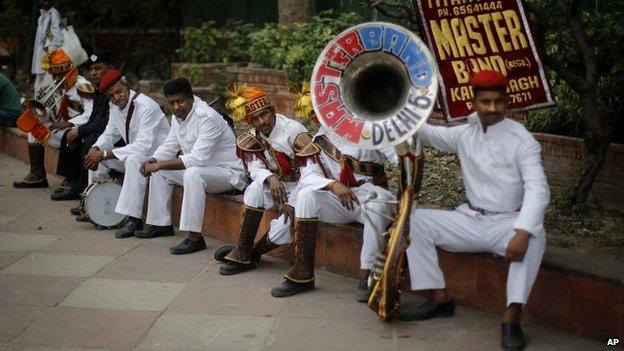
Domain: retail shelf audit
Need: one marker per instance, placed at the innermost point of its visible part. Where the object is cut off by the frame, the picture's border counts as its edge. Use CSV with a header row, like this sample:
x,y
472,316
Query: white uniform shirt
x,y
48,22
148,128
312,175
502,168
76,117
205,139
281,139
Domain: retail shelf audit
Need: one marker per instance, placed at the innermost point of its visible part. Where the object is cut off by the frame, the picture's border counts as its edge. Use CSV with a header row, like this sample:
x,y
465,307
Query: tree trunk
x,y
291,11
596,140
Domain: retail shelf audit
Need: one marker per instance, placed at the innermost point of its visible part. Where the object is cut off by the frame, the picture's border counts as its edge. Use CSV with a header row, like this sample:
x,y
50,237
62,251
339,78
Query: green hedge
x,y
273,46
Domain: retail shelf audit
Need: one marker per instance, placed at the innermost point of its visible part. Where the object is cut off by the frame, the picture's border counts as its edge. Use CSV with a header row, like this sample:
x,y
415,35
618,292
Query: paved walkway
x,y
68,286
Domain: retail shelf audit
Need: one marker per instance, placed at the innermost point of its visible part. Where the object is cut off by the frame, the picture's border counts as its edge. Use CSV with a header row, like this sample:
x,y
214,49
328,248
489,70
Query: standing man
x,y
507,194
48,38
79,139
140,123
200,155
70,110
268,152
334,182
10,105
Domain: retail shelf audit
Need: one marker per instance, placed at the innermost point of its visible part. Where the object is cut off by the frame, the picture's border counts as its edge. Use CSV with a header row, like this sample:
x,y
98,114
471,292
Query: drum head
x,y
100,203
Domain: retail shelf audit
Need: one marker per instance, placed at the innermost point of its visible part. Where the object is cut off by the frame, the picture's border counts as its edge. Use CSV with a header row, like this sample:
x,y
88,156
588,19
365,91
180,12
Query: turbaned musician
x,y
268,153
335,179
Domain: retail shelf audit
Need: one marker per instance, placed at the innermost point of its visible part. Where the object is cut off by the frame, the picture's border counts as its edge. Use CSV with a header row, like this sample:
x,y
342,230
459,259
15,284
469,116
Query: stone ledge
x,y
575,292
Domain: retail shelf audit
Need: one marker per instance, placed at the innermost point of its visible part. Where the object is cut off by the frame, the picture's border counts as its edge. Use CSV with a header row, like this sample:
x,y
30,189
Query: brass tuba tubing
x,y
373,87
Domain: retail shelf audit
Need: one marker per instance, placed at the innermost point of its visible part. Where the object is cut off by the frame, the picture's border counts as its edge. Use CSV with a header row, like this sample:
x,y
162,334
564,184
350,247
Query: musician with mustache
x,y
335,179
268,154
137,120
507,193
200,155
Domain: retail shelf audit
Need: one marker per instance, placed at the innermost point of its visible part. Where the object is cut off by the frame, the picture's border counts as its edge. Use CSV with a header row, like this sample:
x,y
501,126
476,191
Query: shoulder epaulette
x,y
249,143
304,146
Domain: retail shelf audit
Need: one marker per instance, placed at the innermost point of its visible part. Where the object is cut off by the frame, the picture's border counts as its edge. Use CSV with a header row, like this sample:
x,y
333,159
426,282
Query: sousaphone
x,y
373,87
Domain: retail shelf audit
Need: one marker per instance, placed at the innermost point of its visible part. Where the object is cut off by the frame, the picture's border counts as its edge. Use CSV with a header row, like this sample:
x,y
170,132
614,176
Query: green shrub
x,y
296,52
209,44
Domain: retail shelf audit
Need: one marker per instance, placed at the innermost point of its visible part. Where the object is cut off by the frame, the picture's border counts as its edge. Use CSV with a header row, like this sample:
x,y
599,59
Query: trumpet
x,y
41,108
374,86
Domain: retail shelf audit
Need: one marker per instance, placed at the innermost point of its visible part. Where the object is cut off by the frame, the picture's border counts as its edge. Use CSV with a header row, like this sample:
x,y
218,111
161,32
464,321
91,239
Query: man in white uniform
x,y
140,123
71,110
200,155
334,182
268,152
48,38
508,195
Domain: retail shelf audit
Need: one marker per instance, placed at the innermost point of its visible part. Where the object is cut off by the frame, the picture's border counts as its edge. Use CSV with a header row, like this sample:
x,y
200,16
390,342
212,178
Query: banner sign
x,y
467,36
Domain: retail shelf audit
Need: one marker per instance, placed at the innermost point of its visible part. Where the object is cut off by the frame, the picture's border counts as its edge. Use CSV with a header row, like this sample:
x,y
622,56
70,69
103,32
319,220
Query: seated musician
x,y
137,120
507,194
79,139
200,155
336,178
73,109
267,151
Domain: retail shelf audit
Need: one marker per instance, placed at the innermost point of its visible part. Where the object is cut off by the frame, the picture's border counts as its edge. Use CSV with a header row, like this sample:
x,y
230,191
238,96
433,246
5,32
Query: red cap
x,y
488,79
108,79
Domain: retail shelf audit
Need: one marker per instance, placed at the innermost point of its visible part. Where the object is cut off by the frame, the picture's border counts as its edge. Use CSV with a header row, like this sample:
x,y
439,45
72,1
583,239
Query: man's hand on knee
x,y
345,195
517,246
148,167
278,192
93,158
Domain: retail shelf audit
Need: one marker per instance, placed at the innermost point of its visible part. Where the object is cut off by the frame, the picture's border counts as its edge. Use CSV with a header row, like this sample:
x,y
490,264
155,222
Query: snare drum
x,y
98,204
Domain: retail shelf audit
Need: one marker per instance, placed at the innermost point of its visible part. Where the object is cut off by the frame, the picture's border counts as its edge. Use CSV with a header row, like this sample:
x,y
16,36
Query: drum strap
x,y
129,117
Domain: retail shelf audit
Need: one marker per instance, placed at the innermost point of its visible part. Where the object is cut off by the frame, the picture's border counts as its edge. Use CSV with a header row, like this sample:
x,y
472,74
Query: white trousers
x,y
326,206
196,181
465,230
280,233
130,201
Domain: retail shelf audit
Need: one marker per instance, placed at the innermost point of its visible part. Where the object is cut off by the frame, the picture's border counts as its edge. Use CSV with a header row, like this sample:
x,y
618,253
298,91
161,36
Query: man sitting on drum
x,y
334,181
507,194
200,155
140,123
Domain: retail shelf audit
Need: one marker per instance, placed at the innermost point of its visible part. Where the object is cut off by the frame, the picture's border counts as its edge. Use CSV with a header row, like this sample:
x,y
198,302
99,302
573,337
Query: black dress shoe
x,y
66,194
129,227
82,218
427,310
512,337
188,246
76,211
28,184
289,288
223,251
60,189
231,267
154,231
363,292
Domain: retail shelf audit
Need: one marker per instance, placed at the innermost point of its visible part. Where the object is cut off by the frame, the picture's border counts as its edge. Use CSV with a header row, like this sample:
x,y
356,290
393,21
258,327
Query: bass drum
x,y
99,201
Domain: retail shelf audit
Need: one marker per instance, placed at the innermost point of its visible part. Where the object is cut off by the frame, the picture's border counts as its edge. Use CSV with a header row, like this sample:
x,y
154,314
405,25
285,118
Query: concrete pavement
x,y
68,286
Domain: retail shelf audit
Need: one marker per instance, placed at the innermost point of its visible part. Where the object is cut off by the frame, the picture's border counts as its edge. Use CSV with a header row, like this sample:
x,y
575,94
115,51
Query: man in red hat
x,y
507,193
140,123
